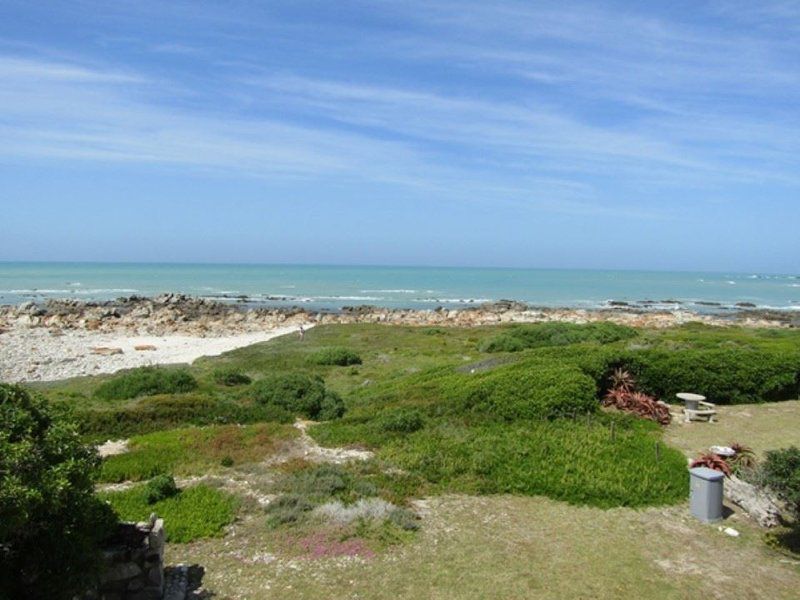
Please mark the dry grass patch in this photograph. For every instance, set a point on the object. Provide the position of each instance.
(761, 426)
(511, 547)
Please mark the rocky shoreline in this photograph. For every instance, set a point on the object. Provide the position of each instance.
(59, 339)
(180, 314)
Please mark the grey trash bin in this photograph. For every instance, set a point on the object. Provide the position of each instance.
(705, 494)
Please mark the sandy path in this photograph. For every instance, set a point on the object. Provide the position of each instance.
(34, 354)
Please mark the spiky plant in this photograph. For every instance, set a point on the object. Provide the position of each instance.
(621, 379)
(743, 457)
(712, 461)
(639, 404)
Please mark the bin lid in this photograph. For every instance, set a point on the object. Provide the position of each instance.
(706, 473)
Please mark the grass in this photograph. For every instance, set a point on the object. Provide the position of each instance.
(194, 513)
(604, 460)
(522, 337)
(500, 546)
(194, 450)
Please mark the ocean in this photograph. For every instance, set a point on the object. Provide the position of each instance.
(333, 287)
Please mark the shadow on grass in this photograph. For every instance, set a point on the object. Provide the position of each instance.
(786, 540)
(190, 577)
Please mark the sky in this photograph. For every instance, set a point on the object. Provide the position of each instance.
(624, 135)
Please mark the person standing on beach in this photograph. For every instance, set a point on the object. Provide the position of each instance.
(302, 333)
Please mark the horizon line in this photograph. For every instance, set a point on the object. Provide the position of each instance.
(380, 266)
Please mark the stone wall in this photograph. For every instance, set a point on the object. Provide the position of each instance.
(134, 563)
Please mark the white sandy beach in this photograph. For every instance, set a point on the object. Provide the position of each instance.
(35, 354)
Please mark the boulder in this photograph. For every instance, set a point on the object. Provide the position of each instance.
(105, 351)
(754, 501)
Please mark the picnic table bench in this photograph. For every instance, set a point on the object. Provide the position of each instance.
(696, 408)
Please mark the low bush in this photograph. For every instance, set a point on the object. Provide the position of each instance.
(781, 472)
(331, 407)
(531, 390)
(194, 513)
(160, 488)
(51, 523)
(288, 508)
(298, 394)
(346, 496)
(403, 420)
(521, 337)
(723, 376)
(318, 482)
(146, 381)
(230, 377)
(340, 357)
(404, 519)
(156, 413)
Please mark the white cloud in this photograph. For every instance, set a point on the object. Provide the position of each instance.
(542, 106)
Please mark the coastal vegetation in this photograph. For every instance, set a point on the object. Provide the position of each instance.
(443, 411)
(194, 450)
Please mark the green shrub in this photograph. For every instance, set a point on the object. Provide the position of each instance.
(298, 394)
(404, 519)
(724, 376)
(230, 377)
(534, 390)
(288, 508)
(521, 337)
(340, 357)
(320, 481)
(331, 407)
(403, 420)
(146, 381)
(156, 413)
(51, 523)
(160, 488)
(781, 472)
(196, 512)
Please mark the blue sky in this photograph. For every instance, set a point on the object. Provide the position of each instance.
(600, 134)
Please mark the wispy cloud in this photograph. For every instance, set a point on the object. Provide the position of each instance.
(530, 104)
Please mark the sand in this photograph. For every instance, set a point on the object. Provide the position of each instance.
(35, 354)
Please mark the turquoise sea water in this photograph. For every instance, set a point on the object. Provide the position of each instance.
(411, 287)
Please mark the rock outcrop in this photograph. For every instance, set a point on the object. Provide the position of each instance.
(177, 313)
(754, 501)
